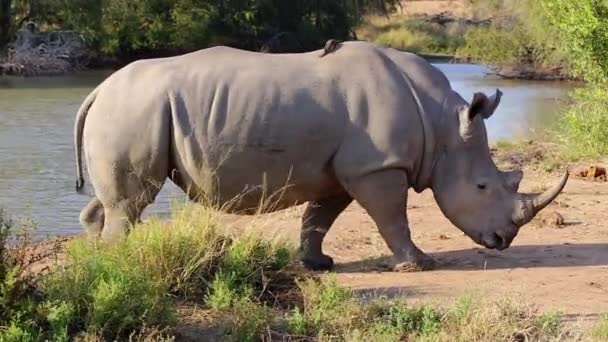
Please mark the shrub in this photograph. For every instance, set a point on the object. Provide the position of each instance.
(413, 35)
(584, 125)
(101, 292)
(584, 26)
(19, 288)
(246, 270)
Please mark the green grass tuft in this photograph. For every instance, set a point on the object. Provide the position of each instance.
(600, 331)
(103, 291)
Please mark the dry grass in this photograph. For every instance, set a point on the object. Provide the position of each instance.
(412, 34)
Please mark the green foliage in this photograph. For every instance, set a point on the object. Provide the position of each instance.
(417, 36)
(99, 291)
(19, 320)
(584, 125)
(494, 45)
(329, 309)
(549, 323)
(584, 26)
(245, 271)
(249, 320)
(583, 30)
(129, 28)
(181, 254)
(600, 331)
(522, 36)
(398, 318)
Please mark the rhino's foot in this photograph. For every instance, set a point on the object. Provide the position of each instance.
(421, 263)
(318, 263)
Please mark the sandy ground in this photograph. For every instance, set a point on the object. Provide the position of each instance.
(551, 267)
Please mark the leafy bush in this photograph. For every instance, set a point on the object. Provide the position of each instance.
(102, 292)
(519, 34)
(19, 292)
(246, 271)
(584, 125)
(584, 26)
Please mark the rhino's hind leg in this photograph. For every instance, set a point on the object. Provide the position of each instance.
(316, 221)
(123, 214)
(383, 195)
(92, 218)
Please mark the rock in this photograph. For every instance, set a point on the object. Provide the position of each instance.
(592, 173)
(552, 219)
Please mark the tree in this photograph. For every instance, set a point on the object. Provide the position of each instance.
(5, 21)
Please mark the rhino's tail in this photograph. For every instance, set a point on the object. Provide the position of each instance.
(78, 132)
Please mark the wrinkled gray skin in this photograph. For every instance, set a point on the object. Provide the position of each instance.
(363, 123)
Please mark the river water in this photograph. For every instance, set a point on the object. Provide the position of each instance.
(37, 170)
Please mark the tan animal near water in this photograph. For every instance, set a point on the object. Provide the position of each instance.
(364, 123)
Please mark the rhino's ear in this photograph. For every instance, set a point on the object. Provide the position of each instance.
(484, 106)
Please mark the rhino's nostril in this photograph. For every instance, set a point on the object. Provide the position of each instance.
(500, 241)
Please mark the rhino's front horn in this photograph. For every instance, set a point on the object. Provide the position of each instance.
(530, 205)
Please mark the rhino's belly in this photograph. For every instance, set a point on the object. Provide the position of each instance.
(248, 181)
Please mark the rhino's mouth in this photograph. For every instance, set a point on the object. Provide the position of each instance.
(497, 240)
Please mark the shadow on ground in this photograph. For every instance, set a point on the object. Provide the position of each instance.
(524, 256)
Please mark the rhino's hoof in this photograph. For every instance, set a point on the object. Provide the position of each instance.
(320, 263)
(424, 264)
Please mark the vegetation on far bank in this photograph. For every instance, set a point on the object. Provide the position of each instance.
(246, 288)
(583, 34)
(127, 30)
(510, 35)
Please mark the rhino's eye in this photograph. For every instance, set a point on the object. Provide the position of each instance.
(481, 186)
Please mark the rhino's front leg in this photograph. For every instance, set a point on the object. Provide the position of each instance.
(316, 221)
(384, 195)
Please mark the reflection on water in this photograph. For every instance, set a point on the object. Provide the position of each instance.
(37, 170)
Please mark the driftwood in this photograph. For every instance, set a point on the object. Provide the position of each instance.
(44, 53)
(444, 18)
(529, 72)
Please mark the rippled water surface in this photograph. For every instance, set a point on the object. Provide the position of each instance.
(37, 171)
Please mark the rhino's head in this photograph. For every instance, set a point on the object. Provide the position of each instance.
(473, 194)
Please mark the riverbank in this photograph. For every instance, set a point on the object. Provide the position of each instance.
(474, 294)
(505, 36)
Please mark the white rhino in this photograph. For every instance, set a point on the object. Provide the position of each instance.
(363, 122)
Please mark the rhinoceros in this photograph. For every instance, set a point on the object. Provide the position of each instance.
(363, 123)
